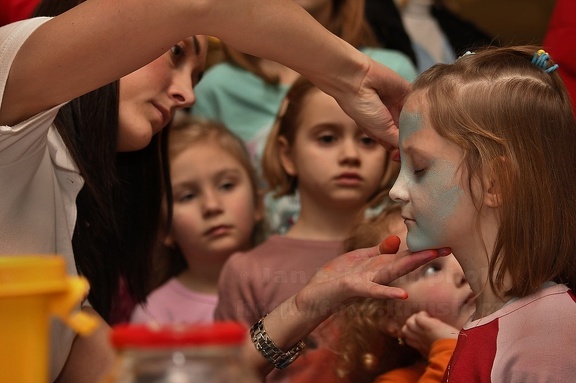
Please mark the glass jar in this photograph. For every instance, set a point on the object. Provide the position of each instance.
(180, 354)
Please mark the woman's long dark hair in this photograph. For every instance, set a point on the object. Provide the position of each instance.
(119, 206)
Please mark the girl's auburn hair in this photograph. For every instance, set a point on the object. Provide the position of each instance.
(516, 126)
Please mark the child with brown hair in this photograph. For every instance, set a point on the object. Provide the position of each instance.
(317, 150)
(245, 92)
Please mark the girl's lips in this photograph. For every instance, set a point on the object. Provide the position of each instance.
(218, 230)
(408, 221)
(348, 179)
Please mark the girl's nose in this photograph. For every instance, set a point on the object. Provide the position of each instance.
(398, 192)
(349, 152)
(211, 204)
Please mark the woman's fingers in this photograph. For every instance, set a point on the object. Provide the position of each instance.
(389, 245)
(403, 263)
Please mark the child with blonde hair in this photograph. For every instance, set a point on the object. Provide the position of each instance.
(339, 171)
(217, 211)
(488, 169)
(409, 340)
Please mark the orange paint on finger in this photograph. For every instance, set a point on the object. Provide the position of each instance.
(389, 245)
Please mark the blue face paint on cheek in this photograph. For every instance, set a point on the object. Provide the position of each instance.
(434, 197)
(434, 205)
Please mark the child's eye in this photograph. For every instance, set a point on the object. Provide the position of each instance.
(431, 270)
(227, 186)
(419, 172)
(367, 141)
(326, 138)
(184, 197)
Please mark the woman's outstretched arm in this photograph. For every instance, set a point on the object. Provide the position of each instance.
(100, 41)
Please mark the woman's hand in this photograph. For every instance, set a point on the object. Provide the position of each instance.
(360, 273)
(376, 103)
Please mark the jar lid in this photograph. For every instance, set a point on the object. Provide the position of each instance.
(177, 335)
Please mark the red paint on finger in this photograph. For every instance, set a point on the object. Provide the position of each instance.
(389, 245)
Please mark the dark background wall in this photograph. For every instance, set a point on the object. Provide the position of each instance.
(512, 21)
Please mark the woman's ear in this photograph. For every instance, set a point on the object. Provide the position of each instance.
(169, 242)
(286, 156)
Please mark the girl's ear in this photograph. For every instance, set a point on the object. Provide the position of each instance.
(492, 196)
(286, 156)
(492, 186)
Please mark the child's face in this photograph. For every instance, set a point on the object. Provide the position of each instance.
(436, 204)
(337, 165)
(214, 208)
(439, 288)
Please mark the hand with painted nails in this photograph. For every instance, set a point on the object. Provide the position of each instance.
(362, 273)
(356, 274)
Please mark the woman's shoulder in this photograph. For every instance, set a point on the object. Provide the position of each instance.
(12, 37)
(24, 27)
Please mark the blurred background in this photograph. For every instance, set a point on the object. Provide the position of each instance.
(511, 21)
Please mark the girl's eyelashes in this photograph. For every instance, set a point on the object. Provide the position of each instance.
(227, 186)
(419, 172)
(367, 141)
(184, 197)
(326, 138)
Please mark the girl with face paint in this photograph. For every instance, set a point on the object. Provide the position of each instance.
(80, 149)
(487, 169)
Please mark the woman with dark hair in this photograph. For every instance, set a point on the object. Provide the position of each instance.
(80, 178)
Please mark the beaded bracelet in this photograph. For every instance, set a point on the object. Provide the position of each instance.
(268, 349)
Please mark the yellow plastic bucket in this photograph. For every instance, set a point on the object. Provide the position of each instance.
(33, 288)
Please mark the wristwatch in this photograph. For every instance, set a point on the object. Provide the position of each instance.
(268, 348)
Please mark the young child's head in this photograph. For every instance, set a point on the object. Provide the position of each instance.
(371, 328)
(488, 168)
(317, 150)
(217, 206)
